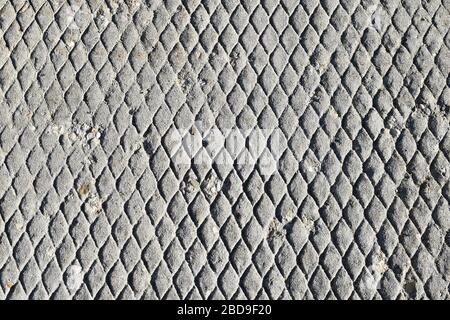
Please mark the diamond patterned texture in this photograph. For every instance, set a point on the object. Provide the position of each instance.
(92, 205)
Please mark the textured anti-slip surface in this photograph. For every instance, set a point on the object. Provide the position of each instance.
(351, 98)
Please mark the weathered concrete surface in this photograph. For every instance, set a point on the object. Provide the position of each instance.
(94, 204)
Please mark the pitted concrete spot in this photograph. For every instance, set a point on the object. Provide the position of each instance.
(275, 230)
(212, 185)
(93, 205)
(190, 184)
